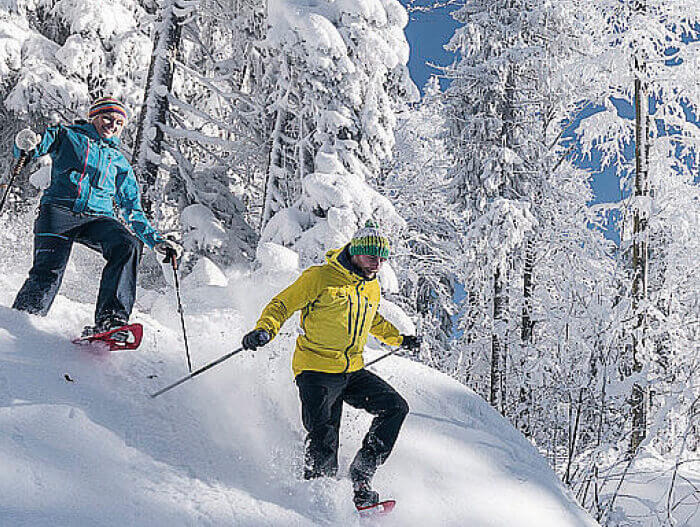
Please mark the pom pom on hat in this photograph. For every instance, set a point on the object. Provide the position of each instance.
(370, 241)
(105, 105)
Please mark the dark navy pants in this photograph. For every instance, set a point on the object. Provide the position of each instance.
(55, 230)
(322, 396)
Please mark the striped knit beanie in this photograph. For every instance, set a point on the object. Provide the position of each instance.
(105, 105)
(370, 241)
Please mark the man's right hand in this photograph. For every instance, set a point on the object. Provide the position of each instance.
(27, 139)
(256, 339)
(411, 342)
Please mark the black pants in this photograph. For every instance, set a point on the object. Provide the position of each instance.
(55, 230)
(322, 396)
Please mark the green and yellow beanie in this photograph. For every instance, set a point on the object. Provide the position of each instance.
(369, 240)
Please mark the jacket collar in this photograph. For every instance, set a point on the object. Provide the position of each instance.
(339, 259)
(89, 130)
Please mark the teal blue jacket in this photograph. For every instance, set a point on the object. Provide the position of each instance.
(90, 175)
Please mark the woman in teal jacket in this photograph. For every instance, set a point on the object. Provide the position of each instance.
(89, 175)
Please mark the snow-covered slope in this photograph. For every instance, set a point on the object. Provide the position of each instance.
(82, 443)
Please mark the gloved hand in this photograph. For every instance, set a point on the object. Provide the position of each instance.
(411, 342)
(168, 247)
(27, 139)
(256, 339)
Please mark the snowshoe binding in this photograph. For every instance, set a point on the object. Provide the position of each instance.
(115, 332)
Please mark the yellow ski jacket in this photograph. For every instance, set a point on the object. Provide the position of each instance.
(339, 309)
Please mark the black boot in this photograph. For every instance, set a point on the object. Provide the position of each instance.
(364, 495)
(107, 324)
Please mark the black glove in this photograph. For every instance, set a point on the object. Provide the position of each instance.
(255, 339)
(169, 248)
(411, 342)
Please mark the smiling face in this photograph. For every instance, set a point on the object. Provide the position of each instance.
(368, 264)
(109, 124)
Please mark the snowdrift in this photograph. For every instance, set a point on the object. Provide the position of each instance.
(82, 443)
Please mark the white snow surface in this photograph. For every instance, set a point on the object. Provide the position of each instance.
(82, 443)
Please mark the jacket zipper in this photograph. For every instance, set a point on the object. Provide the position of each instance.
(91, 183)
(103, 175)
(357, 322)
(82, 176)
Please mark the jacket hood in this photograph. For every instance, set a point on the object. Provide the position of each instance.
(89, 130)
(334, 259)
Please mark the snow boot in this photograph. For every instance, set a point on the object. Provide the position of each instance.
(108, 324)
(364, 495)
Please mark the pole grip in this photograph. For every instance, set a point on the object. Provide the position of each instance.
(171, 256)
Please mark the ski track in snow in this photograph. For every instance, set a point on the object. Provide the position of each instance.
(225, 448)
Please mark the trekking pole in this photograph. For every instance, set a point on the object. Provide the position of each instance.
(382, 357)
(390, 353)
(200, 370)
(15, 172)
(171, 255)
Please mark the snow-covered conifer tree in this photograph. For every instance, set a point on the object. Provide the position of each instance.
(646, 61)
(429, 254)
(196, 143)
(534, 273)
(491, 141)
(338, 72)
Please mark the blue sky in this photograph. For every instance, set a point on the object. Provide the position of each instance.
(427, 33)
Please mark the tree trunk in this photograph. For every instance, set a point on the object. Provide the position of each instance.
(527, 323)
(155, 108)
(499, 348)
(278, 173)
(526, 329)
(638, 399)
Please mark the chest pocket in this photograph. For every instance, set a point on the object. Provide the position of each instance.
(334, 304)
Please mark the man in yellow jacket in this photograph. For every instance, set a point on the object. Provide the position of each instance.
(339, 304)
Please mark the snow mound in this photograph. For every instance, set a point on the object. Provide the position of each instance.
(82, 443)
(205, 273)
(276, 258)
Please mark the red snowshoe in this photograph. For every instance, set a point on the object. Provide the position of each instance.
(378, 509)
(367, 500)
(121, 338)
